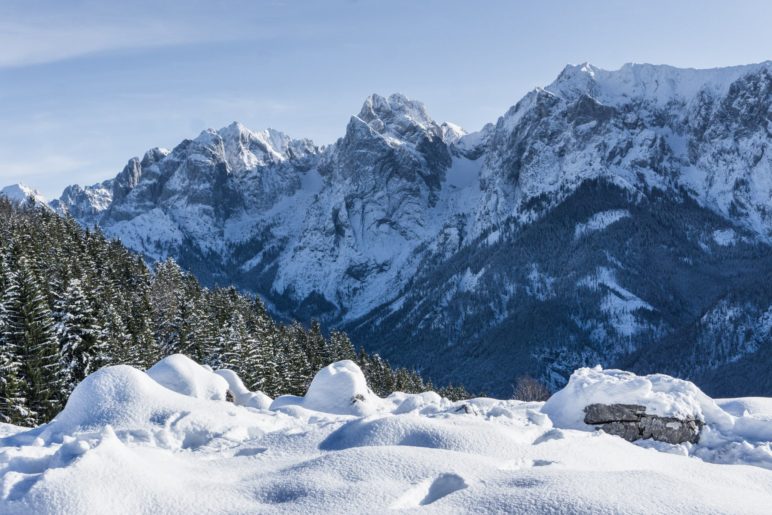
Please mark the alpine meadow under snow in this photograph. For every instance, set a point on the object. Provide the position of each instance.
(167, 441)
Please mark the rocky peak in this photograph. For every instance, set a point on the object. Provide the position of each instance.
(85, 204)
(574, 80)
(397, 119)
(128, 178)
(153, 156)
(392, 138)
(451, 133)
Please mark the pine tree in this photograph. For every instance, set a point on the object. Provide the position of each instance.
(117, 340)
(267, 369)
(12, 403)
(83, 348)
(172, 309)
(341, 347)
(30, 330)
(319, 351)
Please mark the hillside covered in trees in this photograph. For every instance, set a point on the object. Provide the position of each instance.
(71, 302)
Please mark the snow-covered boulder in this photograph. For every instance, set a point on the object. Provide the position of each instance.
(242, 396)
(183, 375)
(339, 388)
(658, 394)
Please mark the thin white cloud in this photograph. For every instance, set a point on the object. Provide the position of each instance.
(44, 31)
(25, 43)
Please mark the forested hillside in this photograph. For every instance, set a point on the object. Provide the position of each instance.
(71, 301)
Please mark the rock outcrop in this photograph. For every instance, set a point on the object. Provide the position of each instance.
(631, 422)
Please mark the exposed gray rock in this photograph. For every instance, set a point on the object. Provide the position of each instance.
(603, 413)
(631, 422)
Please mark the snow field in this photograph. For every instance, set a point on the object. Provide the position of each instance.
(126, 443)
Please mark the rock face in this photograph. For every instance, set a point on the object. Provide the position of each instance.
(631, 422)
(85, 204)
(613, 217)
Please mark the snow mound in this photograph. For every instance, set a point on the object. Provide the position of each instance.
(242, 396)
(183, 375)
(661, 395)
(424, 403)
(340, 389)
(119, 396)
(141, 410)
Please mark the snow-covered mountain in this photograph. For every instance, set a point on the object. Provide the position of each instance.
(620, 217)
(20, 193)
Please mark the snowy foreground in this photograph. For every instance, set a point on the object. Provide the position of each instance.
(167, 441)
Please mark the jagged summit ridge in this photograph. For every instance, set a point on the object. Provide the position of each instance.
(408, 230)
(397, 109)
(657, 83)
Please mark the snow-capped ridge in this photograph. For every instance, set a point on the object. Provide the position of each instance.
(21, 193)
(658, 83)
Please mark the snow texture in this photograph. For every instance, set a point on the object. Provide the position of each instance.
(183, 375)
(339, 388)
(127, 444)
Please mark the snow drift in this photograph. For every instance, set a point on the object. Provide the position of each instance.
(167, 441)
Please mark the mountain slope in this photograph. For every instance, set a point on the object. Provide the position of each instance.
(619, 217)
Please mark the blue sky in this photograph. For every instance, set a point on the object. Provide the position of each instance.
(85, 85)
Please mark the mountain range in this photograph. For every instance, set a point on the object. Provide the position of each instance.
(615, 217)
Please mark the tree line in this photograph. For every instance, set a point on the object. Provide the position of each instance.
(72, 301)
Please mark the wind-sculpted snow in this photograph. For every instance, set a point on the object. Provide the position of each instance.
(127, 444)
(241, 394)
